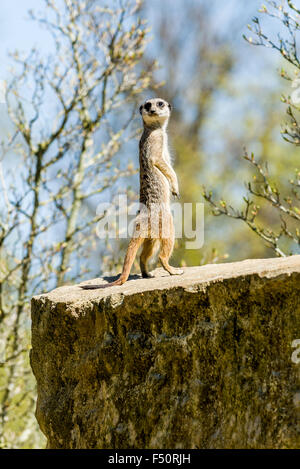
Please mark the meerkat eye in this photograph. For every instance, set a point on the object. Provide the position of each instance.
(161, 104)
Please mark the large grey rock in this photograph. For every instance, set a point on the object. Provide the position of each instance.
(201, 360)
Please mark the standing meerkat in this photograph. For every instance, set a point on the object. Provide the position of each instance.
(154, 222)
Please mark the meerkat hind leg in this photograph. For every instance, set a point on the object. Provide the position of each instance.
(167, 245)
(147, 252)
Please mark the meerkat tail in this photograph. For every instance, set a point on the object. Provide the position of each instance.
(105, 285)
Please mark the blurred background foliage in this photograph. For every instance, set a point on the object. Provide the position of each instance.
(70, 127)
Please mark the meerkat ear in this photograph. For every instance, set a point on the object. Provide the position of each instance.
(170, 107)
(141, 108)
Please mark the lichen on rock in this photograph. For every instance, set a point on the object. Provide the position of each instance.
(197, 361)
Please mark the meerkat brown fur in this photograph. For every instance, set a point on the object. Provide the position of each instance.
(154, 221)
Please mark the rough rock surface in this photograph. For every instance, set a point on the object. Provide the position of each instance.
(201, 360)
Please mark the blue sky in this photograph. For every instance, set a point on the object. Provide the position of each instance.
(17, 32)
(256, 66)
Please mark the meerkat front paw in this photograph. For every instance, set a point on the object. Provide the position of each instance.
(176, 193)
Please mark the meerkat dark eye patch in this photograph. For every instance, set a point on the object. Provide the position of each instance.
(160, 103)
(147, 106)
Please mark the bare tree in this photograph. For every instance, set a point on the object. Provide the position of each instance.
(264, 195)
(72, 113)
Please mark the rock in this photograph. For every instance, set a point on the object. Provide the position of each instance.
(201, 360)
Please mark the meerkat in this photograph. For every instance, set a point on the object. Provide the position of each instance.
(154, 222)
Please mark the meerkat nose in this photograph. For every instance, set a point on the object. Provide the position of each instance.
(152, 111)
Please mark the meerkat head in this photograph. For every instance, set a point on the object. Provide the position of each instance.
(155, 112)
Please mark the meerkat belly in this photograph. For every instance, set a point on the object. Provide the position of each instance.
(154, 187)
